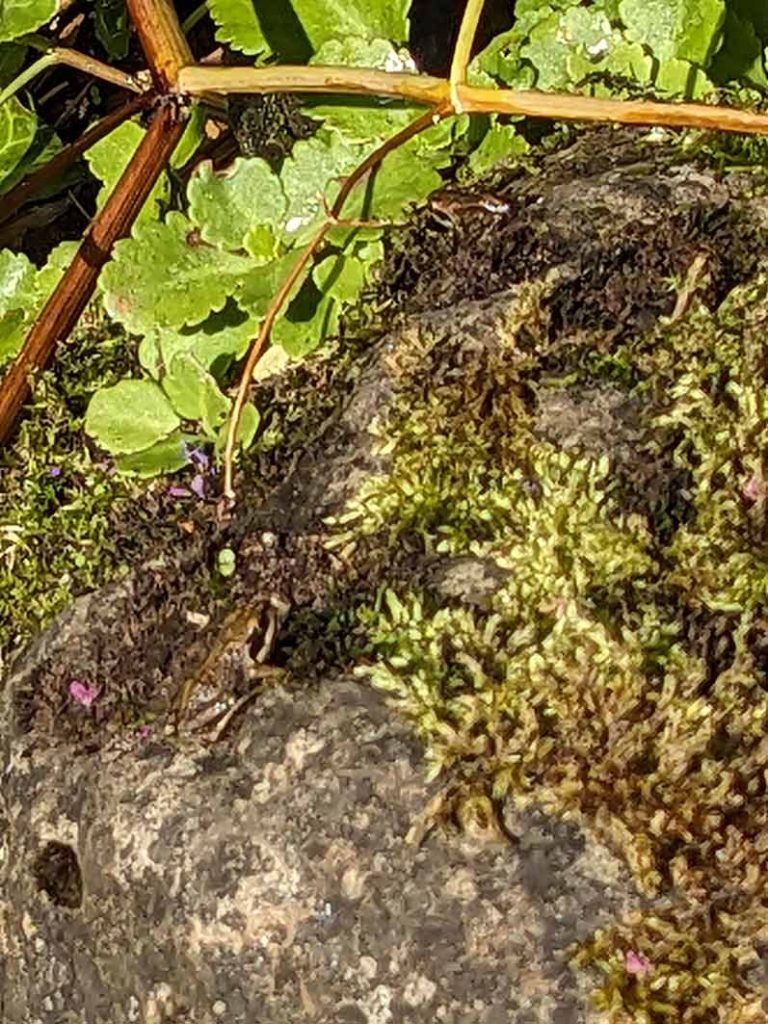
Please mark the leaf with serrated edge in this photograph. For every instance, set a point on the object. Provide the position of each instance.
(165, 276)
(237, 24)
(227, 206)
(109, 157)
(18, 127)
(129, 417)
(18, 17)
(370, 19)
(685, 29)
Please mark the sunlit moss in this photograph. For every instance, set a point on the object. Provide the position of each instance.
(590, 684)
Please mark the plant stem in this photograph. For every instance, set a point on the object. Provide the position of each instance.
(431, 91)
(73, 59)
(62, 310)
(29, 187)
(192, 19)
(463, 49)
(165, 45)
(298, 78)
(332, 218)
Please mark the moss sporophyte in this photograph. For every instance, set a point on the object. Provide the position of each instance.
(617, 674)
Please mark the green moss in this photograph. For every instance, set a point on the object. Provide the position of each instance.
(591, 685)
(59, 503)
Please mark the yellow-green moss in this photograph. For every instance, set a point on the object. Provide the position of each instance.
(588, 686)
(57, 503)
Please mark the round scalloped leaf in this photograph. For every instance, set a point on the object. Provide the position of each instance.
(130, 417)
(305, 176)
(18, 17)
(109, 157)
(165, 276)
(193, 392)
(166, 456)
(18, 127)
(686, 29)
(370, 119)
(227, 207)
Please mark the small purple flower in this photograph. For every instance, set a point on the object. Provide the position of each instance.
(198, 485)
(145, 732)
(54, 471)
(198, 456)
(637, 964)
(83, 693)
(178, 492)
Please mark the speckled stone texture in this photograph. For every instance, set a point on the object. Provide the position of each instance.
(272, 882)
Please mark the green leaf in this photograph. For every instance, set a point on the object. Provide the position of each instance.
(112, 27)
(402, 179)
(130, 417)
(238, 25)
(166, 456)
(11, 60)
(740, 58)
(685, 29)
(23, 292)
(18, 127)
(246, 430)
(226, 562)
(222, 338)
(554, 39)
(501, 143)
(108, 159)
(305, 178)
(165, 276)
(341, 276)
(194, 393)
(229, 206)
(294, 31)
(18, 17)
(363, 119)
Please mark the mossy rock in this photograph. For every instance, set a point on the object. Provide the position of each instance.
(533, 517)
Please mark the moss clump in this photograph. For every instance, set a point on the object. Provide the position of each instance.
(591, 684)
(58, 503)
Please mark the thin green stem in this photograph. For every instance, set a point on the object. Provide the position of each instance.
(192, 19)
(72, 59)
(463, 49)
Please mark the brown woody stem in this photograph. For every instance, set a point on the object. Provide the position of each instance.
(63, 309)
(29, 187)
(331, 220)
(165, 45)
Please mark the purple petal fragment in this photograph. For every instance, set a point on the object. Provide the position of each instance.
(54, 471)
(198, 485)
(83, 693)
(637, 964)
(178, 492)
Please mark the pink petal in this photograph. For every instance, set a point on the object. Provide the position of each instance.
(753, 488)
(83, 693)
(637, 964)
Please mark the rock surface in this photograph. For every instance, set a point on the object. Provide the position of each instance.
(268, 878)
